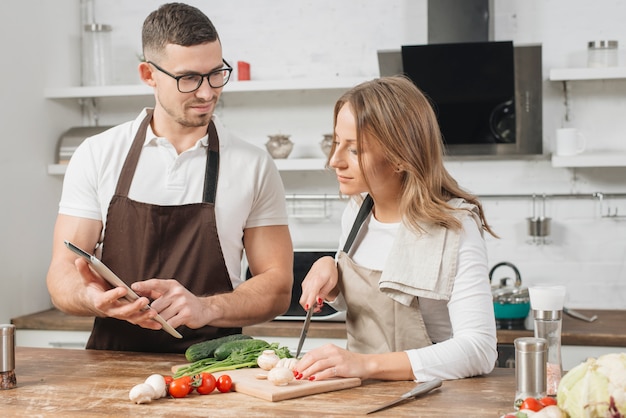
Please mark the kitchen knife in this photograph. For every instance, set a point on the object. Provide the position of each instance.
(418, 390)
(115, 281)
(305, 329)
(578, 315)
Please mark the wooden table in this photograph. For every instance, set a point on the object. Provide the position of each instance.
(608, 330)
(88, 383)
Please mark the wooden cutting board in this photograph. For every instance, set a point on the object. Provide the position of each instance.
(245, 381)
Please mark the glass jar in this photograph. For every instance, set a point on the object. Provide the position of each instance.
(96, 55)
(602, 54)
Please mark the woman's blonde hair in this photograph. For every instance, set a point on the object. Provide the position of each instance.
(393, 112)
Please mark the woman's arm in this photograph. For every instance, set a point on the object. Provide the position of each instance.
(471, 350)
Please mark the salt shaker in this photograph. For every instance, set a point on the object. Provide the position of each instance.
(7, 357)
(547, 307)
(530, 368)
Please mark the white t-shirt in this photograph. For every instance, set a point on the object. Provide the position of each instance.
(249, 193)
(463, 328)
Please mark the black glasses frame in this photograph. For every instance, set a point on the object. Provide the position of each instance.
(228, 68)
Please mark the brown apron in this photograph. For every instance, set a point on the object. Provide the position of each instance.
(144, 241)
(375, 323)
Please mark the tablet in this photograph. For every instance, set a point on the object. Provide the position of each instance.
(115, 281)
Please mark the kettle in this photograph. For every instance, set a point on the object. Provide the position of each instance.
(510, 301)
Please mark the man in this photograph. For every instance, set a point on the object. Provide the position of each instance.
(169, 202)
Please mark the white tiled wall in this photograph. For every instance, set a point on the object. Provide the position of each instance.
(585, 251)
(291, 38)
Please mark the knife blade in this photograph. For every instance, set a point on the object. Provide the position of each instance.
(417, 390)
(305, 329)
(115, 281)
(578, 315)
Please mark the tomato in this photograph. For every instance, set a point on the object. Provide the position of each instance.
(168, 380)
(224, 383)
(532, 404)
(547, 401)
(181, 387)
(206, 384)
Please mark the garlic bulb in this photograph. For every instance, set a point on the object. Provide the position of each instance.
(280, 376)
(142, 393)
(267, 360)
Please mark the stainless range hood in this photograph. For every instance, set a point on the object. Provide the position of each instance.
(451, 21)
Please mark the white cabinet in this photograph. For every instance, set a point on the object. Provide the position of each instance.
(573, 355)
(51, 338)
(588, 159)
(268, 87)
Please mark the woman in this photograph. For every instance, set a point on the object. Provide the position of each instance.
(412, 275)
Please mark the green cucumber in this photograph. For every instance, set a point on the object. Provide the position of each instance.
(244, 346)
(206, 349)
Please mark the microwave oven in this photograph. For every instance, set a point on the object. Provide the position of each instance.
(487, 95)
(303, 259)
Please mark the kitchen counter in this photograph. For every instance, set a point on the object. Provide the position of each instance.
(607, 330)
(88, 383)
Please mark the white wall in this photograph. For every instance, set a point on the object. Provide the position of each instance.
(282, 39)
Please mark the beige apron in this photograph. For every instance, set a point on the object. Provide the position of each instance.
(375, 323)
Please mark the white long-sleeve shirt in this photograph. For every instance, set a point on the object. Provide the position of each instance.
(462, 329)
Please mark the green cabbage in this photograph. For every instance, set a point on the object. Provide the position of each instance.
(595, 388)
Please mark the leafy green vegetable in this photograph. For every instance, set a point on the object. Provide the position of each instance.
(595, 388)
(239, 359)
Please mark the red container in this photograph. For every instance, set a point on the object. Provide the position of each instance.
(243, 71)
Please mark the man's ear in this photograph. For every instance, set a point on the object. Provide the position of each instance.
(145, 74)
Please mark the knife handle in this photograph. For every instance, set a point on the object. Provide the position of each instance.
(423, 388)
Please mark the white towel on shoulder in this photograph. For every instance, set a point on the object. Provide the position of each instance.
(424, 265)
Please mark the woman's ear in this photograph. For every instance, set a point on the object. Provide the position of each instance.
(145, 74)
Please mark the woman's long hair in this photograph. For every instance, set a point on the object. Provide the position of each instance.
(395, 113)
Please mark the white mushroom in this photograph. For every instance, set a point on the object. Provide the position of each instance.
(280, 376)
(158, 384)
(142, 393)
(289, 363)
(267, 360)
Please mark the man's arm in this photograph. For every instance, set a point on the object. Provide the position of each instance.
(259, 299)
(75, 288)
(269, 251)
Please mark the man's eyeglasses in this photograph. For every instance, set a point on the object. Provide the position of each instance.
(188, 83)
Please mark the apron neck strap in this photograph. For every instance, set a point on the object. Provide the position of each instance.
(212, 163)
(364, 211)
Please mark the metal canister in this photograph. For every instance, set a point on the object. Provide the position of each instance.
(531, 355)
(7, 356)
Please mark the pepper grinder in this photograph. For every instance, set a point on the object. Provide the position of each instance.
(530, 368)
(7, 357)
(546, 303)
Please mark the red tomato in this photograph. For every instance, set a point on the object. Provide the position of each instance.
(547, 401)
(168, 380)
(181, 387)
(207, 384)
(224, 383)
(532, 404)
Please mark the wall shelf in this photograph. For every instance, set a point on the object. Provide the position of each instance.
(571, 74)
(232, 87)
(591, 159)
(287, 164)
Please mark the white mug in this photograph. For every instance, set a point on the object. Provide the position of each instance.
(569, 141)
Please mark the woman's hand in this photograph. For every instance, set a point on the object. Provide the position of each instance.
(320, 283)
(330, 361)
